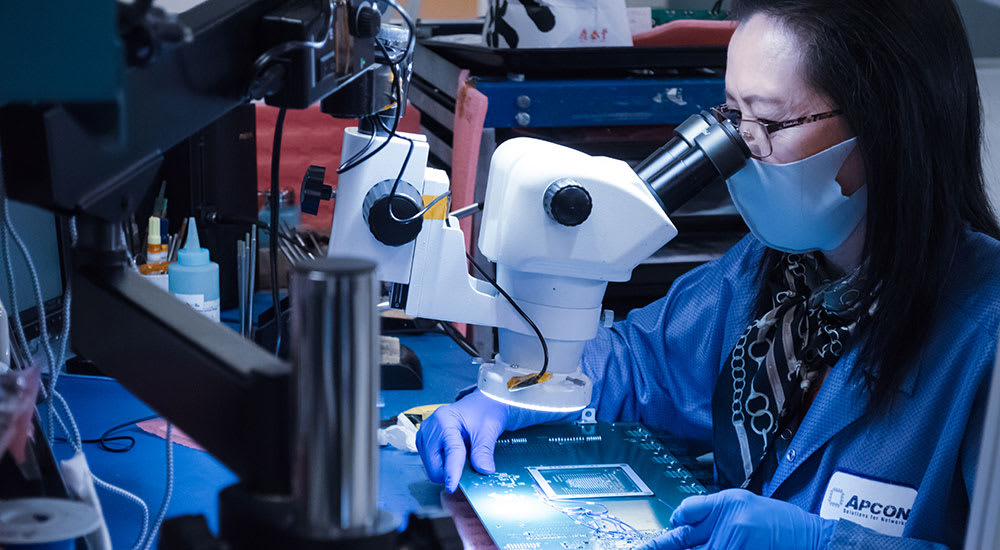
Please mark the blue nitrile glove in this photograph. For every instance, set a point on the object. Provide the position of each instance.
(736, 519)
(475, 421)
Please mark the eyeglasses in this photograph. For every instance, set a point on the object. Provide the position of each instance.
(757, 133)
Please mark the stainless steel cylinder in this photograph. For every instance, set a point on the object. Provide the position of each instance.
(335, 384)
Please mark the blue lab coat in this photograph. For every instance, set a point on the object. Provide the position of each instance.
(659, 366)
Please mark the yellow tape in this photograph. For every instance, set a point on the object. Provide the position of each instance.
(439, 211)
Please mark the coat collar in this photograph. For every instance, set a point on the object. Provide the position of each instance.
(841, 400)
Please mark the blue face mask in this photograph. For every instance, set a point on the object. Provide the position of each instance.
(799, 206)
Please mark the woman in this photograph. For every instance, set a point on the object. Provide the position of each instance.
(838, 357)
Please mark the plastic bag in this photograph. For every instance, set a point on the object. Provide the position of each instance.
(556, 24)
(402, 436)
(18, 390)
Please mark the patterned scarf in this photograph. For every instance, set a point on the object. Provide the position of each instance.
(765, 379)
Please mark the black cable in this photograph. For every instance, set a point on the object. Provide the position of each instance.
(533, 379)
(106, 437)
(103, 442)
(459, 339)
(273, 241)
(411, 26)
(383, 145)
(399, 176)
(395, 185)
(398, 87)
(363, 150)
(409, 152)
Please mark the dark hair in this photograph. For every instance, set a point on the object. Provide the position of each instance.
(903, 74)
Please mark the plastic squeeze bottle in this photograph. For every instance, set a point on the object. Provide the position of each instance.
(194, 278)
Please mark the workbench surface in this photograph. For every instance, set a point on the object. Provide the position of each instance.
(100, 403)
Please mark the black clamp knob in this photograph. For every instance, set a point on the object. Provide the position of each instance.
(567, 202)
(313, 190)
(368, 22)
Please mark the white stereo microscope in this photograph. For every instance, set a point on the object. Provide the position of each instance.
(558, 223)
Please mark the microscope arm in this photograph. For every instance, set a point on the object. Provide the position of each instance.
(228, 394)
(441, 287)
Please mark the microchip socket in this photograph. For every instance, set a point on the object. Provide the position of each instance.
(589, 481)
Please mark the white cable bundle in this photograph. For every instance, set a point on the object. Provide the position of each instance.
(7, 231)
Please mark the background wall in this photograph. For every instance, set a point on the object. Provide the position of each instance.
(982, 20)
(989, 83)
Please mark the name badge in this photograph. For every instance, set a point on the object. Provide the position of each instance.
(879, 506)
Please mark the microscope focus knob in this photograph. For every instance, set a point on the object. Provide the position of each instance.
(313, 191)
(400, 224)
(567, 202)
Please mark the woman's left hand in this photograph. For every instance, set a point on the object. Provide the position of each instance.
(736, 519)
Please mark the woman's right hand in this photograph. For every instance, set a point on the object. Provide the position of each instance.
(475, 421)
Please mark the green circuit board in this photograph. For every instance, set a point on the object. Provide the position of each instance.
(579, 487)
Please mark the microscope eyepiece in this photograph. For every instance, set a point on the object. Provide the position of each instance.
(702, 151)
